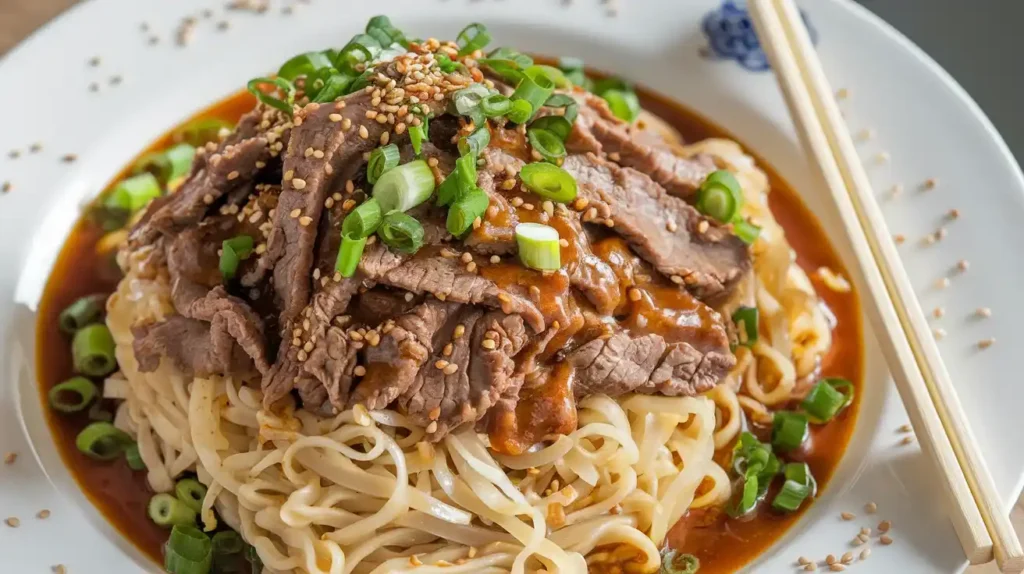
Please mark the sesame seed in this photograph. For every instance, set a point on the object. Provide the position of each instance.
(938, 312)
(471, 266)
(983, 312)
(903, 428)
(298, 183)
(415, 561)
(467, 257)
(10, 457)
(931, 183)
(904, 442)
(289, 174)
(810, 567)
(677, 280)
(986, 343)
(866, 134)
(870, 507)
(702, 227)
(489, 344)
(359, 371)
(495, 259)
(35, 148)
(6, 187)
(803, 561)
(43, 514)
(563, 242)
(865, 553)
(233, 175)
(963, 265)
(305, 220)
(837, 567)
(13, 522)
(847, 558)
(69, 158)
(460, 330)
(432, 428)
(635, 294)
(830, 559)
(451, 369)
(334, 117)
(953, 214)
(848, 516)
(884, 525)
(899, 239)
(59, 569)
(363, 132)
(295, 213)
(385, 138)
(885, 539)
(942, 283)
(939, 332)
(302, 356)
(842, 94)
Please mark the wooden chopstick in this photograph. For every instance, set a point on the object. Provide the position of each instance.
(898, 321)
(1006, 545)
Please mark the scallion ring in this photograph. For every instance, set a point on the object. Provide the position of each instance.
(549, 181)
(232, 252)
(287, 89)
(72, 395)
(404, 187)
(179, 159)
(349, 254)
(133, 457)
(746, 320)
(463, 212)
(547, 144)
(401, 232)
(472, 38)
(827, 398)
(746, 231)
(538, 246)
(418, 135)
(459, 182)
(191, 493)
(789, 430)
(624, 104)
(381, 160)
(82, 312)
(799, 486)
(331, 85)
(202, 131)
(364, 220)
(92, 351)
(134, 193)
(227, 543)
(102, 441)
(557, 125)
(495, 105)
(188, 551)
(717, 202)
(675, 562)
(568, 103)
(520, 112)
(535, 87)
(303, 65)
(475, 142)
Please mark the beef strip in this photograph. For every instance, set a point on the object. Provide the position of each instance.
(192, 345)
(598, 131)
(663, 229)
(446, 278)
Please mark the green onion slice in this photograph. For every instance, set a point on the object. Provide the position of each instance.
(364, 220)
(549, 181)
(827, 398)
(799, 486)
(507, 63)
(746, 320)
(538, 246)
(227, 543)
(72, 395)
(133, 457)
(328, 85)
(401, 232)
(674, 562)
(359, 51)
(92, 351)
(717, 203)
(557, 125)
(472, 38)
(459, 182)
(166, 510)
(556, 76)
(404, 187)
(82, 312)
(521, 112)
(547, 144)
(200, 132)
(188, 551)
(746, 231)
(535, 87)
(475, 142)
(232, 252)
(463, 212)
(102, 441)
(789, 430)
(180, 159)
(573, 69)
(304, 65)
(568, 103)
(349, 254)
(286, 88)
(467, 101)
(191, 493)
(381, 160)
(495, 105)
(381, 25)
(418, 135)
(134, 193)
(445, 63)
(624, 104)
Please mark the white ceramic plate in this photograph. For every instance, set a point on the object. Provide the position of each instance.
(923, 120)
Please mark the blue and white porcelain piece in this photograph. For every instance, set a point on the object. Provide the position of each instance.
(730, 33)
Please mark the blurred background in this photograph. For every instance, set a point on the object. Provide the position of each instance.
(976, 41)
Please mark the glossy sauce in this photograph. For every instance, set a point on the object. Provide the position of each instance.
(723, 545)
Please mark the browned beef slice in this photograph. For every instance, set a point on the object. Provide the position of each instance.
(445, 278)
(661, 228)
(453, 397)
(625, 363)
(193, 346)
(588, 273)
(497, 234)
(598, 130)
(392, 365)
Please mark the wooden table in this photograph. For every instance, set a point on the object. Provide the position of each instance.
(18, 18)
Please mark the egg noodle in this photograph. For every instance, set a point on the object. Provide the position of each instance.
(364, 492)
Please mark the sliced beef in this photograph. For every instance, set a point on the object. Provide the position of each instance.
(597, 130)
(625, 363)
(446, 278)
(663, 229)
(193, 346)
(588, 273)
(404, 347)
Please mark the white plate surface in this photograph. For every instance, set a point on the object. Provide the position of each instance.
(922, 119)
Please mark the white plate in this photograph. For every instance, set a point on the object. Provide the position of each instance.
(923, 120)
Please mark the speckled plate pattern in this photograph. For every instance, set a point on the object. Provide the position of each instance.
(915, 124)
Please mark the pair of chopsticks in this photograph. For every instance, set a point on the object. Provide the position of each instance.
(924, 384)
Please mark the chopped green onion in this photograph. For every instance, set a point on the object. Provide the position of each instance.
(166, 510)
(566, 102)
(363, 221)
(556, 76)
(383, 24)
(404, 187)
(507, 63)
(799, 485)
(748, 497)
(674, 562)
(280, 84)
(746, 319)
(401, 231)
(102, 441)
(381, 160)
(180, 158)
(188, 551)
(99, 414)
(574, 71)
(746, 231)
(538, 246)
(549, 181)
(472, 38)
(463, 212)
(418, 135)
(495, 105)
(199, 132)
(825, 399)
(134, 193)
(445, 63)
(757, 465)
(624, 104)
(535, 87)
(191, 493)
(349, 254)
(254, 560)
(232, 252)
(328, 85)
(72, 395)
(227, 543)
(557, 125)
(467, 102)
(133, 457)
(459, 182)
(475, 142)
(361, 81)
(717, 203)
(82, 312)
(547, 144)
(521, 112)
(789, 430)
(303, 65)
(359, 50)
(92, 351)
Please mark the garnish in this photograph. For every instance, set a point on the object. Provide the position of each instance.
(538, 246)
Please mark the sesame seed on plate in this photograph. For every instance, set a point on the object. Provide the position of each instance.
(885, 539)
(953, 214)
(884, 526)
(830, 559)
(986, 343)
(930, 183)
(871, 508)
(904, 429)
(939, 332)
(59, 569)
(904, 442)
(963, 265)
(938, 312)
(35, 148)
(10, 457)
(983, 312)
(842, 94)
(882, 157)
(848, 515)
(865, 553)
(847, 558)
(865, 134)
(12, 521)
(837, 567)
(6, 187)
(942, 283)
(899, 238)
(43, 514)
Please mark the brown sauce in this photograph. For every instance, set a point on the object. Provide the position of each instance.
(722, 545)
